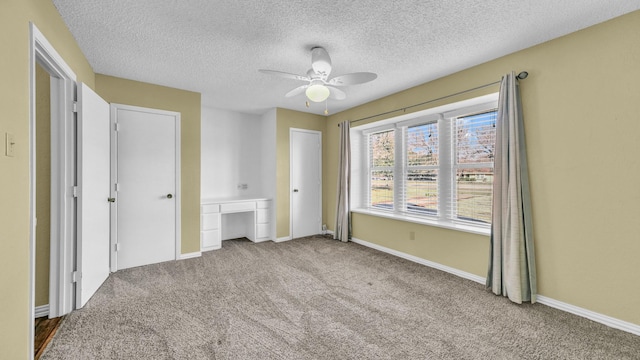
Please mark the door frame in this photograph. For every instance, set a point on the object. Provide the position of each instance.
(62, 249)
(315, 132)
(114, 175)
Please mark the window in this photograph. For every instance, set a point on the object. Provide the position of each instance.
(435, 165)
(475, 146)
(382, 159)
(421, 179)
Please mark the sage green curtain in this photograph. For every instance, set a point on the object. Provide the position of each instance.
(343, 191)
(512, 269)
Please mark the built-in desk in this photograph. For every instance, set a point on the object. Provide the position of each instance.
(257, 219)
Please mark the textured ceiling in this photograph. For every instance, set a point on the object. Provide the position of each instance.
(216, 47)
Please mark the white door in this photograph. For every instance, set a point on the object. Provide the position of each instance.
(146, 182)
(92, 267)
(306, 182)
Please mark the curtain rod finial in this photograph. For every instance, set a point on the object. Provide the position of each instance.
(523, 75)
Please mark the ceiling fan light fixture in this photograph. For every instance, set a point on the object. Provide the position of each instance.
(317, 92)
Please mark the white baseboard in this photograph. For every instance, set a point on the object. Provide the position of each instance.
(190, 255)
(460, 273)
(591, 315)
(282, 239)
(41, 311)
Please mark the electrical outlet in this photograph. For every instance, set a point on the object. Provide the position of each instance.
(10, 144)
(412, 235)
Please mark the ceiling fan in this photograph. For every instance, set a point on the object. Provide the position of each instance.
(320, 86)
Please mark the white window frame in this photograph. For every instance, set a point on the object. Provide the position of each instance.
(445, 117)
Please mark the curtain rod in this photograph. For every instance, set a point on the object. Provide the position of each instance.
(521, 76)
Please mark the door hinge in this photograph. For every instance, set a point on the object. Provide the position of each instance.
(116, 187)
(117, 246)
(74, 277)
(74, 106)
(117, 127)
(74, 191)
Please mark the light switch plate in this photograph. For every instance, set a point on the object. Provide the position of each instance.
(9, 144)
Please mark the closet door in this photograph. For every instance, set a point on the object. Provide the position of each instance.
(147, 174)
(306, 182)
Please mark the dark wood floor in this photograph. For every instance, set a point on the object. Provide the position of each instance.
(45, 329)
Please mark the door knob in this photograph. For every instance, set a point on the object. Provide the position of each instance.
(111, 200)
(169, 196)
(295, 190)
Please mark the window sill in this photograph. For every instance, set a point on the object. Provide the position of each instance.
(423, 221)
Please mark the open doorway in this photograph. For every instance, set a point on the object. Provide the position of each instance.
(43, 191)
(45, 327)
(52, 177)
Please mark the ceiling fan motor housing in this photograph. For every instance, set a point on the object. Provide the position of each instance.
(321, 62)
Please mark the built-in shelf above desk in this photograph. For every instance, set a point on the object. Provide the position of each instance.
(257, 219)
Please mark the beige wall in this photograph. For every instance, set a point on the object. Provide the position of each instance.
(43, 184)
(285, 120)
(582, 120)
(187, 103)
(15, 16)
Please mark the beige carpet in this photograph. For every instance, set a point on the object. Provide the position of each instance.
(316, 298)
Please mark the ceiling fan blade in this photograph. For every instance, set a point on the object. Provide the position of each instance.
(285, 75)
(297, 91)
(320, 62)
(352, 79)
(336, 93)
